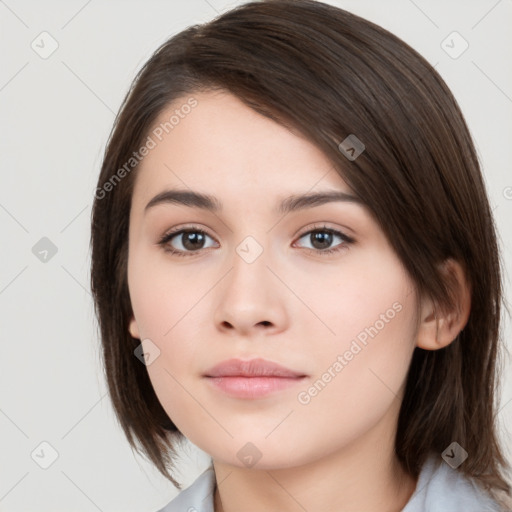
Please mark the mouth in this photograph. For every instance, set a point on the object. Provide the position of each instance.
(252, 379)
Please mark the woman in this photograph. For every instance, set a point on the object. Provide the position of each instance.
(295, 267)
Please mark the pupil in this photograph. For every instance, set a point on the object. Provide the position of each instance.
(323, 237)
(193, 240)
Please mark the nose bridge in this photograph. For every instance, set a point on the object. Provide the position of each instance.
(250, 249)
(250, 295)
(249, 267)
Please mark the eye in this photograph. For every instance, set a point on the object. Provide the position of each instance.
(182, 242)
(322, 238)
(190, 240)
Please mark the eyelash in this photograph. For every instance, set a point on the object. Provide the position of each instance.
(165, 239)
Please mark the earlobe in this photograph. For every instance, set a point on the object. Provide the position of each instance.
(437, 327)
(134, 330)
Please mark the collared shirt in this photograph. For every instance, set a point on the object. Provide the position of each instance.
(439, 489)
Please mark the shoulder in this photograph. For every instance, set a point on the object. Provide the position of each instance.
(198, 497)
(441, 488)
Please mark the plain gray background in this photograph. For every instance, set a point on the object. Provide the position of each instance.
(56, 113)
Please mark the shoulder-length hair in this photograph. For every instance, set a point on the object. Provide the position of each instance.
(328, 74)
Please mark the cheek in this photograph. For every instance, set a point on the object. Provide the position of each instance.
(374, 332)
(359, 379)
(366, 296)
(161, 294)
(165, 306)
(372, 360)
(362, 368)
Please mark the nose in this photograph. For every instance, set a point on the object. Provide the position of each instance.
(250, 300)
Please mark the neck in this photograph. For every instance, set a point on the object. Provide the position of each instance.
(363, 476)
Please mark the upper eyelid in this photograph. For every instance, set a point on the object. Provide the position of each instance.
(319, 227)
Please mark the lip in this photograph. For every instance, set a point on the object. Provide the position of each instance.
(252, 368)
(252, 379)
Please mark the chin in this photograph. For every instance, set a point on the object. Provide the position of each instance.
(261, 454)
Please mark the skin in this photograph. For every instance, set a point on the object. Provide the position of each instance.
(292, 305)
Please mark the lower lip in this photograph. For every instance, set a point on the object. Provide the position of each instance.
(253, 387)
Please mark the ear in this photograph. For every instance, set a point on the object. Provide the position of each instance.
(438, 328)
(133, 328)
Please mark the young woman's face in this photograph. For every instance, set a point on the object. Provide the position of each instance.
(260, 283)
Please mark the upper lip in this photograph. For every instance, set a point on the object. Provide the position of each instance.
(251, 368)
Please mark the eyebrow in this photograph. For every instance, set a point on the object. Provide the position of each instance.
(287, 205)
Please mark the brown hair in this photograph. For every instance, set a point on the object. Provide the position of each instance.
(328, 74)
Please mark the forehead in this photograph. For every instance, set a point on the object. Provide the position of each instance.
(224, 147)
